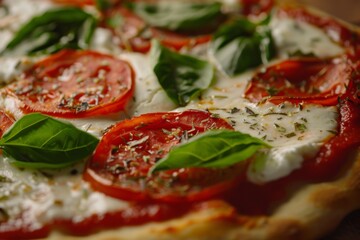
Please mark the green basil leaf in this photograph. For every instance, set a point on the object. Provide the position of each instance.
(115, 21)
(212, 149)
(103, 5)
(39, 141)
(52, 31)
(182, 77)
(242, 45)
(178, 15)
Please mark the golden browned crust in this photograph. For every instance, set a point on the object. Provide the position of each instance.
(310, 211)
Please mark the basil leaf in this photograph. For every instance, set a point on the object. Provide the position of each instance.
(212, 149)
(242, 45)
(52, 31)
(39, 141)
(181, 76)
(177, 15)
(115, 21)
(103, 5)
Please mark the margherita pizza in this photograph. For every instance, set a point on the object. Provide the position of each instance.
(177, 119)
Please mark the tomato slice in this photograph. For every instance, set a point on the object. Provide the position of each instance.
(301, 81)
(76, 84)
(333, 153)
(5, 122)
(256, 7)
(75, 2)
(121, 162)
(136, 35)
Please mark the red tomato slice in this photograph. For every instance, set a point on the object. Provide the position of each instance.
(5, 122)
(301, 81)
(76, 84)
(120, 164)
(75, 2)
(135, 35)
(256, 7)
(346, 142)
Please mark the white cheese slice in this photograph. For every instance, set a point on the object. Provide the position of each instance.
(13, 66)
(45, 195)
(291, 36)
(294, 132)
(149, 95)
(281, 161)
(23, 10)
(103, 42)
(18, 12)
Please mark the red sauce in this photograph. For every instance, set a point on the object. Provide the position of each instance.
(135, 215)
(22, 227)
(255, 200)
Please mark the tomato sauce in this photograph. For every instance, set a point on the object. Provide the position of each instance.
(136, 214)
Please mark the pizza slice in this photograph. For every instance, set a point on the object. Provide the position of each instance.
(181, 120)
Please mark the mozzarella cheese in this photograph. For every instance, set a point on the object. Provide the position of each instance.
(292, 36)
(45, 195)
(294, 133)
(149, 95)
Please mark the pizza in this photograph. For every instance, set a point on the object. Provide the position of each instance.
(234, 119)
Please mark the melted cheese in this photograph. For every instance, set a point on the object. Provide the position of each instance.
(149, 95)
(18, 13)
(294, 133)
(291, 36)
(45, 195)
